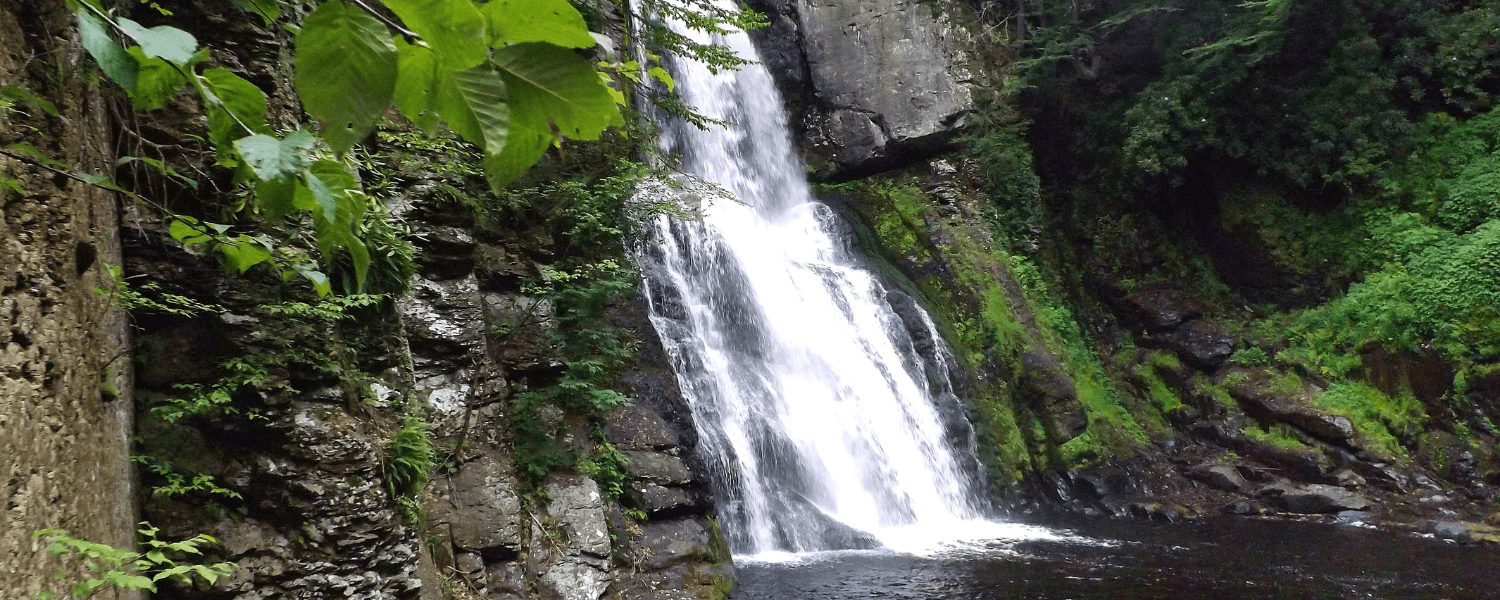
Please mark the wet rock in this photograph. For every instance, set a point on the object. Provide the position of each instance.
(481, 507)
(447, 252)
(1223, 477)
(680, 582)
(658, 468)
(638, 427)
(1383, 476)
(661, 500)
(1451, 530)
(1201, 343)
(1156, 309)
(901, 83)
(1354, 517)
(663, 544)
(1313, 498)
(1240, 508)
(1157, 511)
(1046, 385)
(440, 316)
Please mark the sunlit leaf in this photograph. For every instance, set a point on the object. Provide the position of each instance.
(416, 80)
(112, 59)
(453, 29)
(345, 71)
(473, 103)
(560, 85)
(164, 42)
(551, 21)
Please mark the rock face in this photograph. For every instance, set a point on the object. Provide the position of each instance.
(883, 83)
(65, 403)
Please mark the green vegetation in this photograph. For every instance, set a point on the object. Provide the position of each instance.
(413, 458)
(104, 567)
(1387, 424)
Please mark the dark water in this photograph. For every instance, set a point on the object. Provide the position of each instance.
(1218, 559)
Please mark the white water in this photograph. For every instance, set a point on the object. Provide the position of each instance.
(817, 402)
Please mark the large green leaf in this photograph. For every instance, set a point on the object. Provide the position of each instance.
(112, 59)
(416, 81)
(559, 85)
(276, 159)
(522, 149)
(473, 102)
(551, 21)
(325, 190)
(236, 108)
(346, 71)
(530, 135)
(453, 29)
(156, 81)
(164, 42)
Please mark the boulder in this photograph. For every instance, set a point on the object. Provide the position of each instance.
(481, 507)
(1223, 477)
(664, 544)
(658, 468)
(638, 427)
(1313, 498)
(889, 77)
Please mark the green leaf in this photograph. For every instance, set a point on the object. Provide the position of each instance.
(346, 71)
(453, 29)
(416, 78)
(522, 149)
(23, 95)
(156, 81)
(551, 21)
(236, 108)
(243, 253)
(112, 59)
(276, 159)
(188, 230)
(473, 102)
(560, 85)
(275, 198)
(319, 281)
(663, 76)
(168, 43)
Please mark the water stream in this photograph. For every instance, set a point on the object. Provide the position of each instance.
(824, 399)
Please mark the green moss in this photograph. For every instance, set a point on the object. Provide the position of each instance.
(1380, 420)
(1279, 435)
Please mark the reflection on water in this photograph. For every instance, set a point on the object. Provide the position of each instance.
(1222, 559)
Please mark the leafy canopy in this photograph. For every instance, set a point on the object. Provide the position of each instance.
(505, 75)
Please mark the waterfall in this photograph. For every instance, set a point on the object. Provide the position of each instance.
(823, 398)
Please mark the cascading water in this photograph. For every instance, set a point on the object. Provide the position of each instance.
(815, 388)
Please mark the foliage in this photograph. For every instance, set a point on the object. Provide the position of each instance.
(606, 466)
(300, 336)
(147, 297)
(1305, 92)
(175, 483)
(1382, 421)
(105, 567)
(1251, 356)
(413, 458)
(502, 75)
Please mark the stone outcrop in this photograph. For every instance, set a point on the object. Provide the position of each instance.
(65, 379)
(872, 84)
